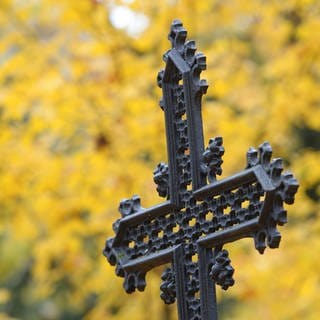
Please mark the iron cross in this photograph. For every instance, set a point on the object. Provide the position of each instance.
(201, 214)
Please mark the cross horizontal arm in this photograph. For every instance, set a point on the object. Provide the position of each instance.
(150, 261)
(139, 217)
(230, 234)
(251, 175)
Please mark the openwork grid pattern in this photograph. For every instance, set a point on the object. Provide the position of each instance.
(198, 219)
(188, 225)
(200, 214)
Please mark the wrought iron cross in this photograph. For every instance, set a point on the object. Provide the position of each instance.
(201, 214)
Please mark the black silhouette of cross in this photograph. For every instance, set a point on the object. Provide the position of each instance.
(201, 214)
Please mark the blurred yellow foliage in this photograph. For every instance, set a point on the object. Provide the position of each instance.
(81, 129)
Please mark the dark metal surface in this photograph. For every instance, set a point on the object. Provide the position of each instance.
(200, 214)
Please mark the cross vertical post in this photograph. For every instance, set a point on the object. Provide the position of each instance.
(188, 231)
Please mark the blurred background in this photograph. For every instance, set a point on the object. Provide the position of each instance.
(81, 129)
